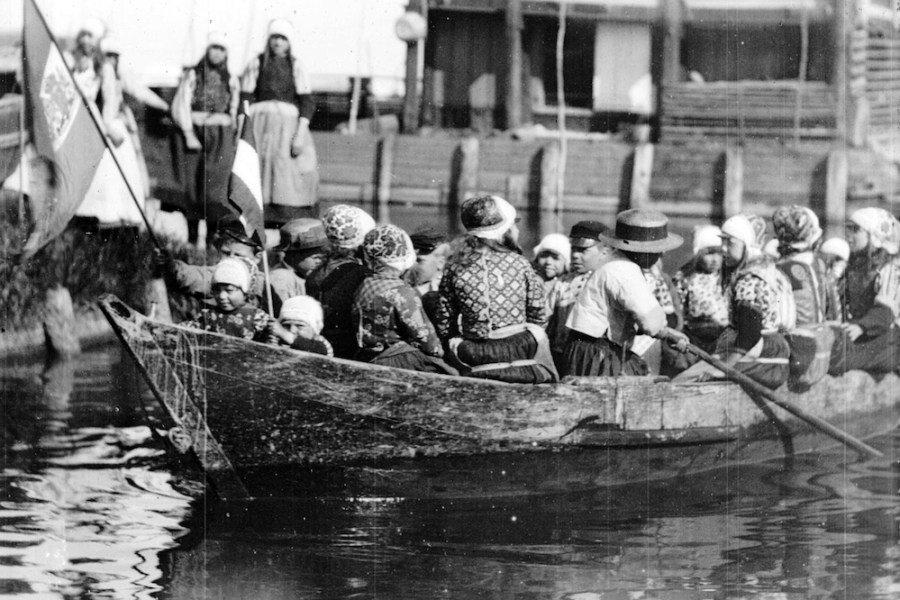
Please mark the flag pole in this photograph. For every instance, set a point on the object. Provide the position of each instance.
(92, 112)
(267, 292)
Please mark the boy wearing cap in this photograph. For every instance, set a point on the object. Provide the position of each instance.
(231, 241)
(304, 246)
(232, 314)
(617, 302)
(586, 250)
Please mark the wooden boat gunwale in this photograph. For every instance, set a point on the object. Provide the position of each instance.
(624, 416)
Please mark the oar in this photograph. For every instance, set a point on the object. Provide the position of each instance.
(761, 390)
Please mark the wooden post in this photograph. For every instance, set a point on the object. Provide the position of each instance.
(386, 147)
(672, 18)
(836, 188)
(641, 176)
(514, 26)
(549, 176)
(839, 68)
(468, 171)
(733, 197)
(413, 50)
(59, 323)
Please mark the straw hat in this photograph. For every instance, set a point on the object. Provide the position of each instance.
(642, 230)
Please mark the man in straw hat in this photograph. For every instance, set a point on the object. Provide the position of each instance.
(617, 302)
(490, 309)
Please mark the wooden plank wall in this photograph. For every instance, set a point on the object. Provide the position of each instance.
(882, 72)
(741, 109)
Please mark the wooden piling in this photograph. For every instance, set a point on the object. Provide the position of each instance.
(733, 196)
(514, 26)
(59, 323)
(411, 102)
(550, 156)
(386, 147)
(836, 188)
(641, 176)
(468, 171)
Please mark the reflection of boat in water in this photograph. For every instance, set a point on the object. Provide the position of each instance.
(269, 421)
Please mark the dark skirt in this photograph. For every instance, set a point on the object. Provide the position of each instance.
(873, 354)
(405, 356)
(521, 346)
(586, 356)
(203, 175)
(773, 367)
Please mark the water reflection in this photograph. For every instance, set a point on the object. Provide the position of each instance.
(816, 531)
(79, 515)
(89, 508)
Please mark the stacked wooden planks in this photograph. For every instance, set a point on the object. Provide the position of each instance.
(883, 80)
(748, 109)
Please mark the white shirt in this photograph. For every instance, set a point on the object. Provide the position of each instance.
(614, 300)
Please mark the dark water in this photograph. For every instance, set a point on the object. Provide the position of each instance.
(90, 507)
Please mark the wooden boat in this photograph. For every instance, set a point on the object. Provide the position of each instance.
(267, 421)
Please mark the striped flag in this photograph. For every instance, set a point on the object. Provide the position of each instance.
(66, 137)
(245, 183)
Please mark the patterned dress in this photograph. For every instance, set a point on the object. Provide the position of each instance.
(486, 287)
(761, 308)
(487, 299)
(247, 322)
(705, 306)
(388, 311)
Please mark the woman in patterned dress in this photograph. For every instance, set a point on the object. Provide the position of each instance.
(490, 310)
(761, 308)
(392, 328)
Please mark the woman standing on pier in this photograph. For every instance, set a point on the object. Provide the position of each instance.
(205, 108)
(277, 87)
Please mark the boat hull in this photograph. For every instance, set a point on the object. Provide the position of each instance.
(272, 422)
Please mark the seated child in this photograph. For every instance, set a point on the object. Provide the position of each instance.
(232, 314)
(300, 325)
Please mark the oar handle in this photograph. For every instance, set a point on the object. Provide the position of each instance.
(761, 390)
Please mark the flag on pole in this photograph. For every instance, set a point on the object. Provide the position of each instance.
(66, 139)
(245, 183)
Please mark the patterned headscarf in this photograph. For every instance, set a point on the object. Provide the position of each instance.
(796, 227)
(882, 227)
(487, 217)
(390, 246)
(759, 228)
(347, 226)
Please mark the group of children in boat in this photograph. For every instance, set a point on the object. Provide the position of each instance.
(595, 303)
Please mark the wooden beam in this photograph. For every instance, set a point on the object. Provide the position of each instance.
(411, 102)
(733, 197)
(672, 26)
(843, 21)
(641, 176)
(514, 26)
(836, 188)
